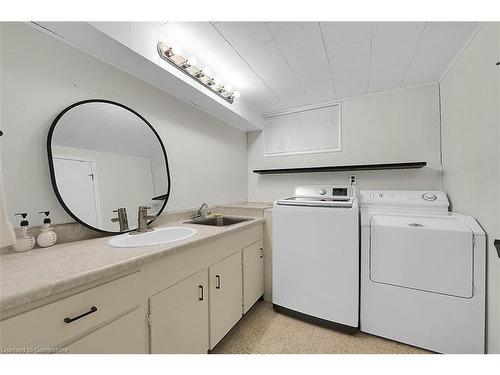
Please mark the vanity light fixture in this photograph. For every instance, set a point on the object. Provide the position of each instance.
(172, 54)
(174, 50)
(204, 72)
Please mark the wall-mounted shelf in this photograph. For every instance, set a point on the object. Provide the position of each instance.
(340, 168)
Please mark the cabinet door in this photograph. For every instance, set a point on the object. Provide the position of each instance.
(125, 335)
(225, 296)
(179, 317)
(253, 274)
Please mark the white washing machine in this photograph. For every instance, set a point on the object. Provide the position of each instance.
(422, 272)
(316, 255)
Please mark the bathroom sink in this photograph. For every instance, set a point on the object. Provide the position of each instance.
(219, 221)
(155, 237)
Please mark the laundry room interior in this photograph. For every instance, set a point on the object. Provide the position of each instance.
(250, 187)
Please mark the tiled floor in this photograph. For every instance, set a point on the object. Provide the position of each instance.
(263, 331)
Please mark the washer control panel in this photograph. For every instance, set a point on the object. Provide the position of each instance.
(325, 191)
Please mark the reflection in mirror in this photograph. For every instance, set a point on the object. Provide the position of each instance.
(104, 157)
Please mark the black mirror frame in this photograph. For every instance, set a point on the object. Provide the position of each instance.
(52, 171)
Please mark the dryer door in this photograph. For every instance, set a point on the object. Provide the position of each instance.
(433, 254)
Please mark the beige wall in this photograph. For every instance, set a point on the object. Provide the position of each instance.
(42, 75)
(396, 126)
(470, 100)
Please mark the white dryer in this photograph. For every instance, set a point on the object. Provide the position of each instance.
(422, 272)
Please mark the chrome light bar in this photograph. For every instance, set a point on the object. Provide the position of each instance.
(188, 66)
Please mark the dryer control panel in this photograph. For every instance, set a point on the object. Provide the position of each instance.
(402, 198)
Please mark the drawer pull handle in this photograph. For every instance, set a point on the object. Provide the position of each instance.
(261, 253)
(200, 298)
(93, 309)
(217, 282)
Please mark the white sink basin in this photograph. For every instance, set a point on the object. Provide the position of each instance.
(156, 237)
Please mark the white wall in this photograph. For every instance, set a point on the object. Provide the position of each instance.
(470, 100)
(41, 76)
(395, 126)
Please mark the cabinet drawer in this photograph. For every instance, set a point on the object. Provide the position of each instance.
(58, 322)
(124, 335)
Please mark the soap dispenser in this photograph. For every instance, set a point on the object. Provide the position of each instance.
(47, 236)
(24, 239)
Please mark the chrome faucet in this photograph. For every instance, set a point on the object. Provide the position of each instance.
(142, 220)
(202, 212)
(121, 219)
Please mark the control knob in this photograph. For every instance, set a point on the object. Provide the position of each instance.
(429, 196)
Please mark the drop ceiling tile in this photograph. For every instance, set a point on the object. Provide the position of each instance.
(343, 34)
(350, 68)
(303, 49)
(255, 45)
(295, 33)
(386, 79)
(268, 62)
(244, 35)
(451, 34)
(429, 65)
(311, 68)
(393, 46)
(394, 43)
(439, 44)
(290, 94)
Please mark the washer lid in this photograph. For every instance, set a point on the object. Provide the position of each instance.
(433, 254)
(316, 201)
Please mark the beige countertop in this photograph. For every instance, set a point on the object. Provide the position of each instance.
(248, 205)
(39, 273)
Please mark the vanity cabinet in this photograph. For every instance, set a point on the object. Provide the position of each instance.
(79, 321)
(185, 302)
(179, 317)
(253, 274)
(225, 284)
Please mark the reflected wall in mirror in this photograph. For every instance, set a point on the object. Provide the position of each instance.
(104, 156)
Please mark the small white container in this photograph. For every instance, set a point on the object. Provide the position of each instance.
(47, 236)
(24, 239)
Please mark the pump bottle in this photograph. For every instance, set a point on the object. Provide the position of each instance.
(47, 236)
(24, 239)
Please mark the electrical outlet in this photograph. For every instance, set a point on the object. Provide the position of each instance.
(353, 180)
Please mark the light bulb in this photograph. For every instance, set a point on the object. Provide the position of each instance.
(217, 80)
(175, 50)
(229, 88)
(206, 71)
(192, 61)
(236, 94)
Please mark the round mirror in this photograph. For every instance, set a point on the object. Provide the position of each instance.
(106, 161)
